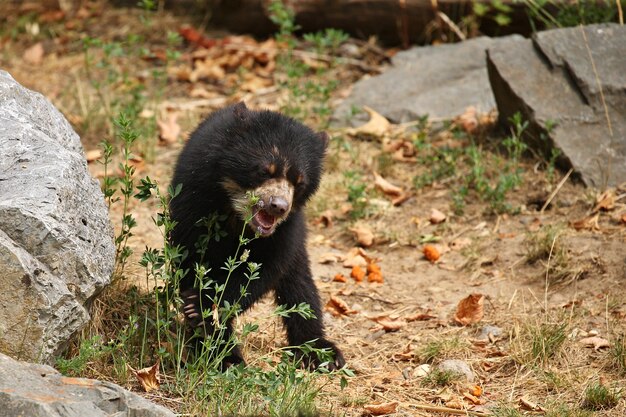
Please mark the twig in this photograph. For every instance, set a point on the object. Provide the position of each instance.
(448, 410)
(451, 25)
(556, 190)
(620, 12)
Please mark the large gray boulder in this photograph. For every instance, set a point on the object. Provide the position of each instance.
(34, 390)
(438, 81)
(570, 84)
(56, 245)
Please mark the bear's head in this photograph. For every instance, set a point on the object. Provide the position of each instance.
(272, 160)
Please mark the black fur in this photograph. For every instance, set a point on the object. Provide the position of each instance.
(238, 145)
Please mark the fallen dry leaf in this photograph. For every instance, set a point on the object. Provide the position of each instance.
(587, 223)
(375, 277)
(329, 258)
(386, 187)
(377, 126)
(420, 317)
(338, 307)
(605, 201)
(340, 278)
(374, 274)
(148, 377)
(391, 324)
(530, 405)
(169, 130)
(380, 409)
(473, 399)
(93, 155)
(468, 121)
(431, 253)
(357, 273)
(405, 355)
(470, 310)
(364, 235)
(437, 216)
(455, 403)
(596, 342)
(476, 391)
(356, 257)
(34, 54)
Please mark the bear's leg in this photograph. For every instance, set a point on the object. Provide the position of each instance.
(297, 287)
(209, 337)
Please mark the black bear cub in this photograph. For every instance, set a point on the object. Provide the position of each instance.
(235, 152)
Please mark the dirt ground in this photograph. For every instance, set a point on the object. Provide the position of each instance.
(481, 253)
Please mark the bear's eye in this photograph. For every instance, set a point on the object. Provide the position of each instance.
(271, 169)
(299, 180)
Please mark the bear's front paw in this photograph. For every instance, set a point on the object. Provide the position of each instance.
(332, 359)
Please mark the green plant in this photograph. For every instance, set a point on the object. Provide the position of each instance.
(441, 378)
(564, 410)
(309, 88)
(505, 411)
(327, 41)
(556, 14)
(89, 350)
(618, 353)
(357, 194)
(599, 397)
(547, 340)
(437, 350)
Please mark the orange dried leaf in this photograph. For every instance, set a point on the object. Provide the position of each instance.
(468, 121)
(169, 130)
(473, 399)
(587, 223)
(357, 273)
(605, 201)
(356, 257)
(93, 155)
(340, 278)
(338, 307)
(387, 187)
(377, 125)
(431, 253)
(437, 216)
(391, 324)
(373, 267)
(380, 409)
(476, 391)
(470, 310)
(364, 236)
(596, 342)
(405, 355)
(375, 277)
(420, 317)
(148, 377)
(34, 54)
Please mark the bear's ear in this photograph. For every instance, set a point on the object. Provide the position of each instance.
(240, 110)
(323, 136)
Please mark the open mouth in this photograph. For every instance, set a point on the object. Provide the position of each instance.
(263, 223)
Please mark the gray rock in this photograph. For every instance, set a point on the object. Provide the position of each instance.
(551, 80)
(439, 81)
(56, 246)
(458, 367)
(489, 331)
(34, 390)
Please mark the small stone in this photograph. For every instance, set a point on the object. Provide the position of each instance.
(458, 367)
